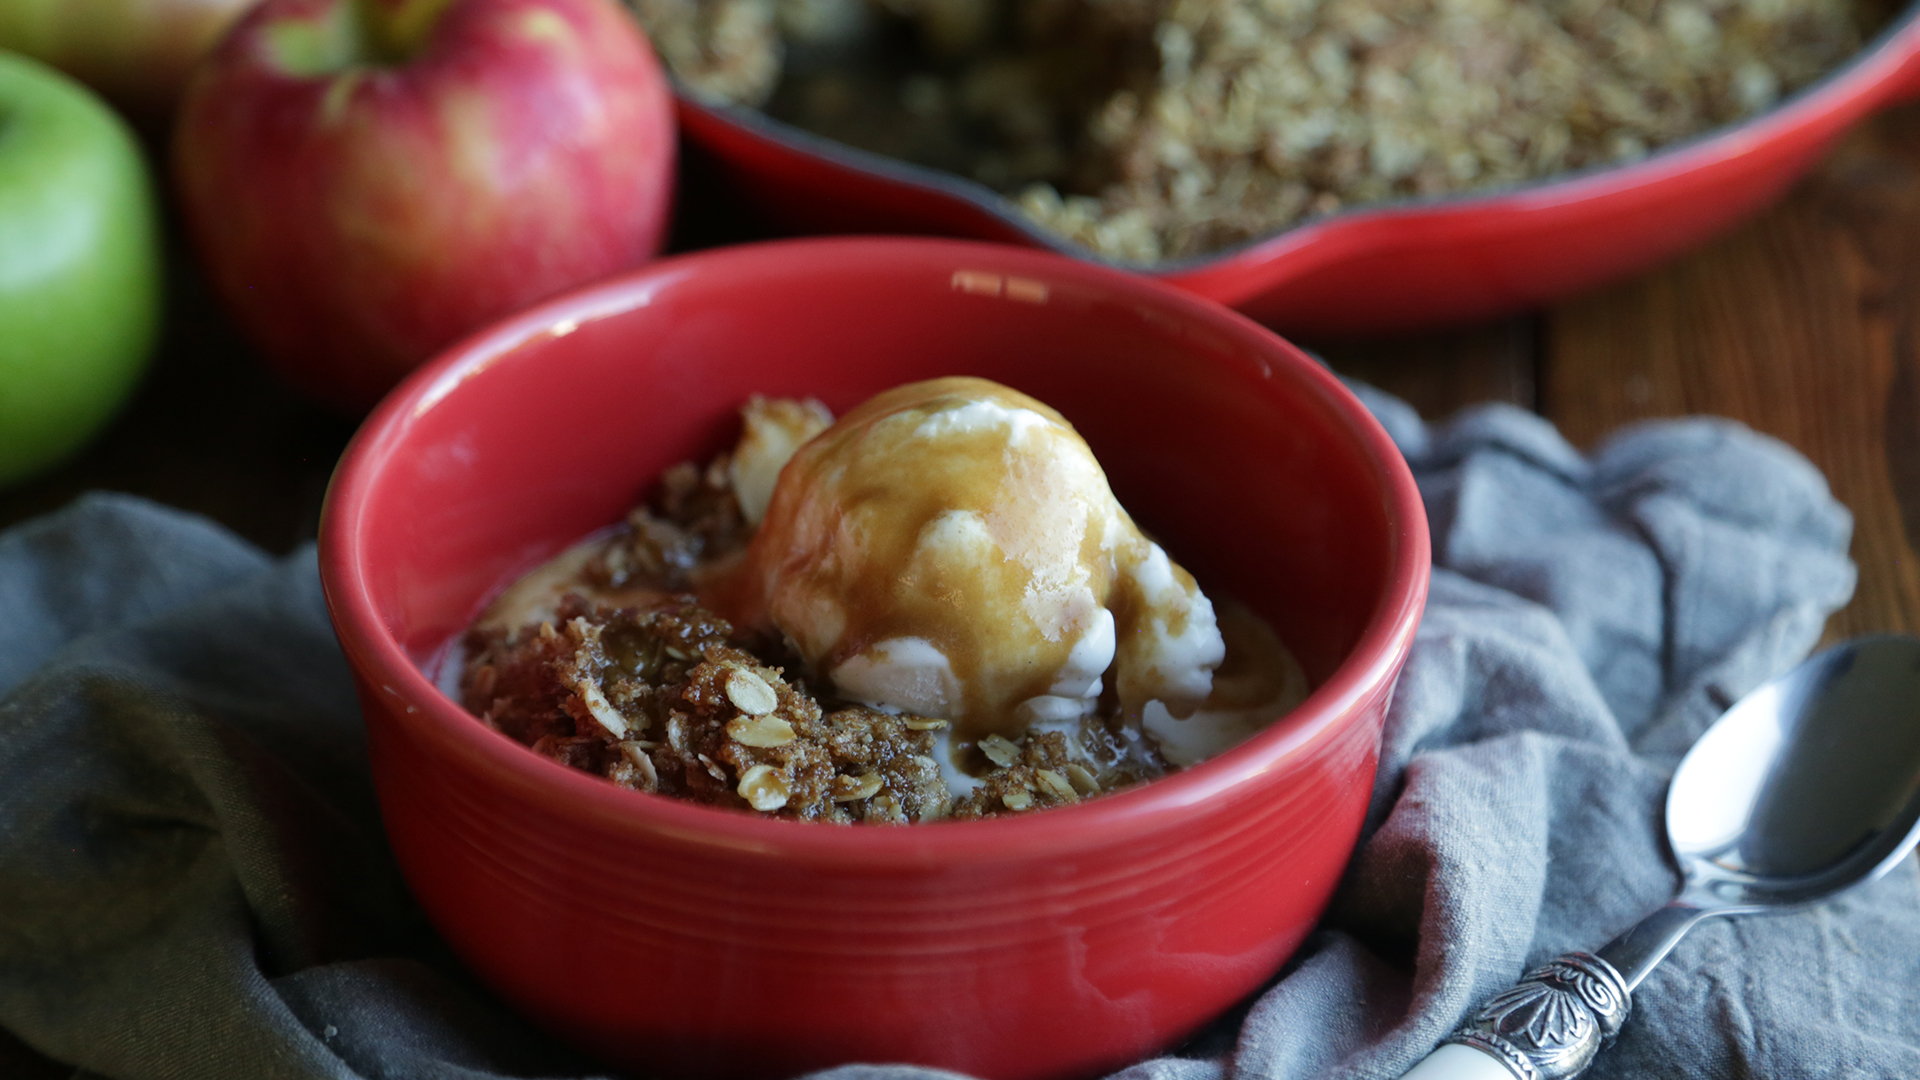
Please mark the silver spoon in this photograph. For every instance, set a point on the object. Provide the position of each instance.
(1805, 787)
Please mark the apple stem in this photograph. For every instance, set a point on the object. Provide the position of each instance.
(396, 30)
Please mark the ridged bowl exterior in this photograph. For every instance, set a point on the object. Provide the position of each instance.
(680, 940)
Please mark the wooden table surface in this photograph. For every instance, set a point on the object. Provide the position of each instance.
(1804, 324)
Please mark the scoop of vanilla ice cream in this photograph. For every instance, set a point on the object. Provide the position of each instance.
(951, 548)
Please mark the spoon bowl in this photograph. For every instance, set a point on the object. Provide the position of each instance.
(1806, 787)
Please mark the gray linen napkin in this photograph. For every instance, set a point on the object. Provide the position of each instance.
(193, 881)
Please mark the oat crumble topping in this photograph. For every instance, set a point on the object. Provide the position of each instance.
(670, 700)
(612, 659)
(1158, 129)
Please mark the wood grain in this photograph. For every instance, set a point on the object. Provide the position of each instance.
(1803, 324)
(1439, 374)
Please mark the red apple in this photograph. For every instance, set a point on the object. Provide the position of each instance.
(367, 180)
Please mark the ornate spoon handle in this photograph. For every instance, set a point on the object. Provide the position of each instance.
(1548, 1026)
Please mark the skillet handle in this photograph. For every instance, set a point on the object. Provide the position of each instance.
(1548, 1026)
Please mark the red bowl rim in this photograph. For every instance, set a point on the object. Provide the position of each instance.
(383, 663)
(1840, 95)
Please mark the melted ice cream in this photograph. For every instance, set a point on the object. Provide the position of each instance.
(951, 548)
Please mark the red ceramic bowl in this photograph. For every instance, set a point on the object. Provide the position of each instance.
(1386, 267)
(677, 939)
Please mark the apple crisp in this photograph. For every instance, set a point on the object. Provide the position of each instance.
(1150, 130)
(659, 694)
(823, 625)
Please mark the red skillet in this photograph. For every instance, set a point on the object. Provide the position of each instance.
(1392, 266)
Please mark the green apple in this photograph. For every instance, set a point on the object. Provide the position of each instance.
(79, 265)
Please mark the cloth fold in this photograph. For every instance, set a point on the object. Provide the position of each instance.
(193, 880)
